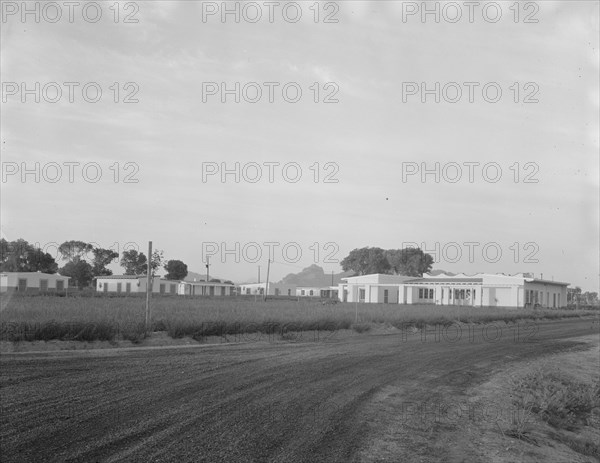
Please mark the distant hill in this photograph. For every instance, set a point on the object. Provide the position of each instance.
(193, 276)
(437, 272)
(313, 276)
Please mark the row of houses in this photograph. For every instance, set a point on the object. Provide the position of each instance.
(479, 290)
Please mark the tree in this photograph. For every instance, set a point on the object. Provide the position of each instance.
(102, 258)
(135, 263)
(20, 256)
(367, 260)
(409, 261)
(79, 271)
(176, 270)
(75, 250)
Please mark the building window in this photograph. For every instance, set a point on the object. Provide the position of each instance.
(311, 293)
(361, 294)
(247, 290)
(43, 285)
(128, 287)
(173, 289)
(289, 292)
(385, 296)
(431, 293)
(420, 293)
(222, 290)
(302, 292)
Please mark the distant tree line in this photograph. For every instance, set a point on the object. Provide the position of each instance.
(576, 297)
(83, 261)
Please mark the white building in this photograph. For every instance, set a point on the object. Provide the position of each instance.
(488, 290)
(329, 292)
(32, 281)
(137, 284)
(483, 289)
(275, 289)
(203, 288)
(374, 288)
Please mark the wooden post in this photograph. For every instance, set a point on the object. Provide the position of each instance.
(148, 285)
(267, 283)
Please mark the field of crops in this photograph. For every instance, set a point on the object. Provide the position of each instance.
(28, 318)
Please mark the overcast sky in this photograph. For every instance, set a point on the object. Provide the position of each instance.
(374, 141)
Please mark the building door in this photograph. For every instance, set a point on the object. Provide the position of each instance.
(385, 296)
(222, 290)
(345, 296)
(105, 287)
(361, 295)
(60, 285)
(119, 287)
(22, 284)
(162, 288)
(43, 285)
(212, 290)
(127, 287)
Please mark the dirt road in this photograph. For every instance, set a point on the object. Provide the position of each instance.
(306, 401)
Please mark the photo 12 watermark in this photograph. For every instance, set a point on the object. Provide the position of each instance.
(69, 172)
(269, 12)
(469, 172)
(469, 92)
(453, 333)
(290, 252)
(71, 92)
(70, 12)
(490, 252)
(269, 172)
(269, 92)
(450, 12)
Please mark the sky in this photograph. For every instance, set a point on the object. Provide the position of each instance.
(336, 141)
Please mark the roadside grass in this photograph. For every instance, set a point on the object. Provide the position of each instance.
(563, 403)
(30, 318)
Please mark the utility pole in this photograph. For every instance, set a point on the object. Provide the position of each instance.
(259, 273)
(207, 268)
(148, 285)
(267, 283)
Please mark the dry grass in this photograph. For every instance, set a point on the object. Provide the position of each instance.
(107, 318)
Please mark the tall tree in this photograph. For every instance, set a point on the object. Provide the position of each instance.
(20, 256)
(79, 271)
(409, 261)
(135, 263)
(75, 250)
(367, 260)
(176, 270)
(102, 258)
